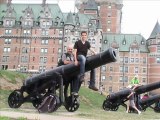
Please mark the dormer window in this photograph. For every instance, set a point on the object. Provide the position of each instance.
(55, 23)
(124, 42)
(46, 14)
(142, 42)
(77, 24)
(105, 41)
(62, 23)
(10, 14)
(89, 24)
(28, 14)
(57, 18)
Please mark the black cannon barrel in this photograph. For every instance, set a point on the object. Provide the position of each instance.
(151, 100)
(147, 88)
(141, 89)
(119, 95)
(70, 70)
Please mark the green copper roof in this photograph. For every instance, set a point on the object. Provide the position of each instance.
(128, 39)
(37, 8)
(82, 18)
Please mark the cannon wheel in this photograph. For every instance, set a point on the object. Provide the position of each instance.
(15, 99)
(72, 105)
(115, 108)
(106, 105)
(55, 103)
(37, 101)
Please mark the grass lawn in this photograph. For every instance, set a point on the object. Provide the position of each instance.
(90, 106)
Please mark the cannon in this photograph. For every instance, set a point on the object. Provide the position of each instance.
(145, 103)
(114, 100)
(56, 82)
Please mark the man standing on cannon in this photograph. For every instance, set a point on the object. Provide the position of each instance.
(81, 48)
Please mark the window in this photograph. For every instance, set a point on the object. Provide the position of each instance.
(93, 41)
(109, 6)
(158, 59)
(110, 89)
(24, 59)
(158, 49)
(103, 68)
(126, 69)
(143, 80)
(110, 77)
(108, 21)
(9, 22)
(126, 60)
(5, 59)
(26, 32)
(109, 14)
(144, 70)
(144, 60)
(26, 41)
(108, 29)
(7, 41)
(60, 32)
(59, 50)
(44, 32)
(8, 31)
(76, 33)
(105, 41)
(44, 42)
(111, 69)
(60, 41)
(44, 50)
(125, 78)
(27, 23)
(132, 60)
(103, 77)
(136, 70)
(121, 68)
(7, 49)
(42, 68)
(25, 50)
(137, 60)
(43, 59)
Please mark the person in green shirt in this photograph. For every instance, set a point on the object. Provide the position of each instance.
(135, 80)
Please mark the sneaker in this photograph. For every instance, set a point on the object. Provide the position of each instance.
(75, 93)
(139, 112)
(93, 88)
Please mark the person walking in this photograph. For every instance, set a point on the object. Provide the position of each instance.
(81, 48)
(131, 100)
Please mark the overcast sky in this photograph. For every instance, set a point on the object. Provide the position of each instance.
(138, 16)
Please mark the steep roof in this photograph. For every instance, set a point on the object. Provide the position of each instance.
(91, 5)
(128, 39)
(155, 30)
(37, 8)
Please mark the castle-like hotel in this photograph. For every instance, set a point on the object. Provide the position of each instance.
(33, 37)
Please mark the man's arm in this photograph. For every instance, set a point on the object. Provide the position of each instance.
(75, 57)
(92, 50)
(64, 59)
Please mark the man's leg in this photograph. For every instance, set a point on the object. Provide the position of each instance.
(92, 80)
(82, 62)
(75, 86)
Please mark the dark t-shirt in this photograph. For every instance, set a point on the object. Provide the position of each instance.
(82, 49)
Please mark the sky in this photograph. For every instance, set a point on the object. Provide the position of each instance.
(138, 16)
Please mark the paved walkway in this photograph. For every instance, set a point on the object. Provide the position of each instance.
(37, 116)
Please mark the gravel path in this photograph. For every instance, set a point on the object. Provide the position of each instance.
(37, 116)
